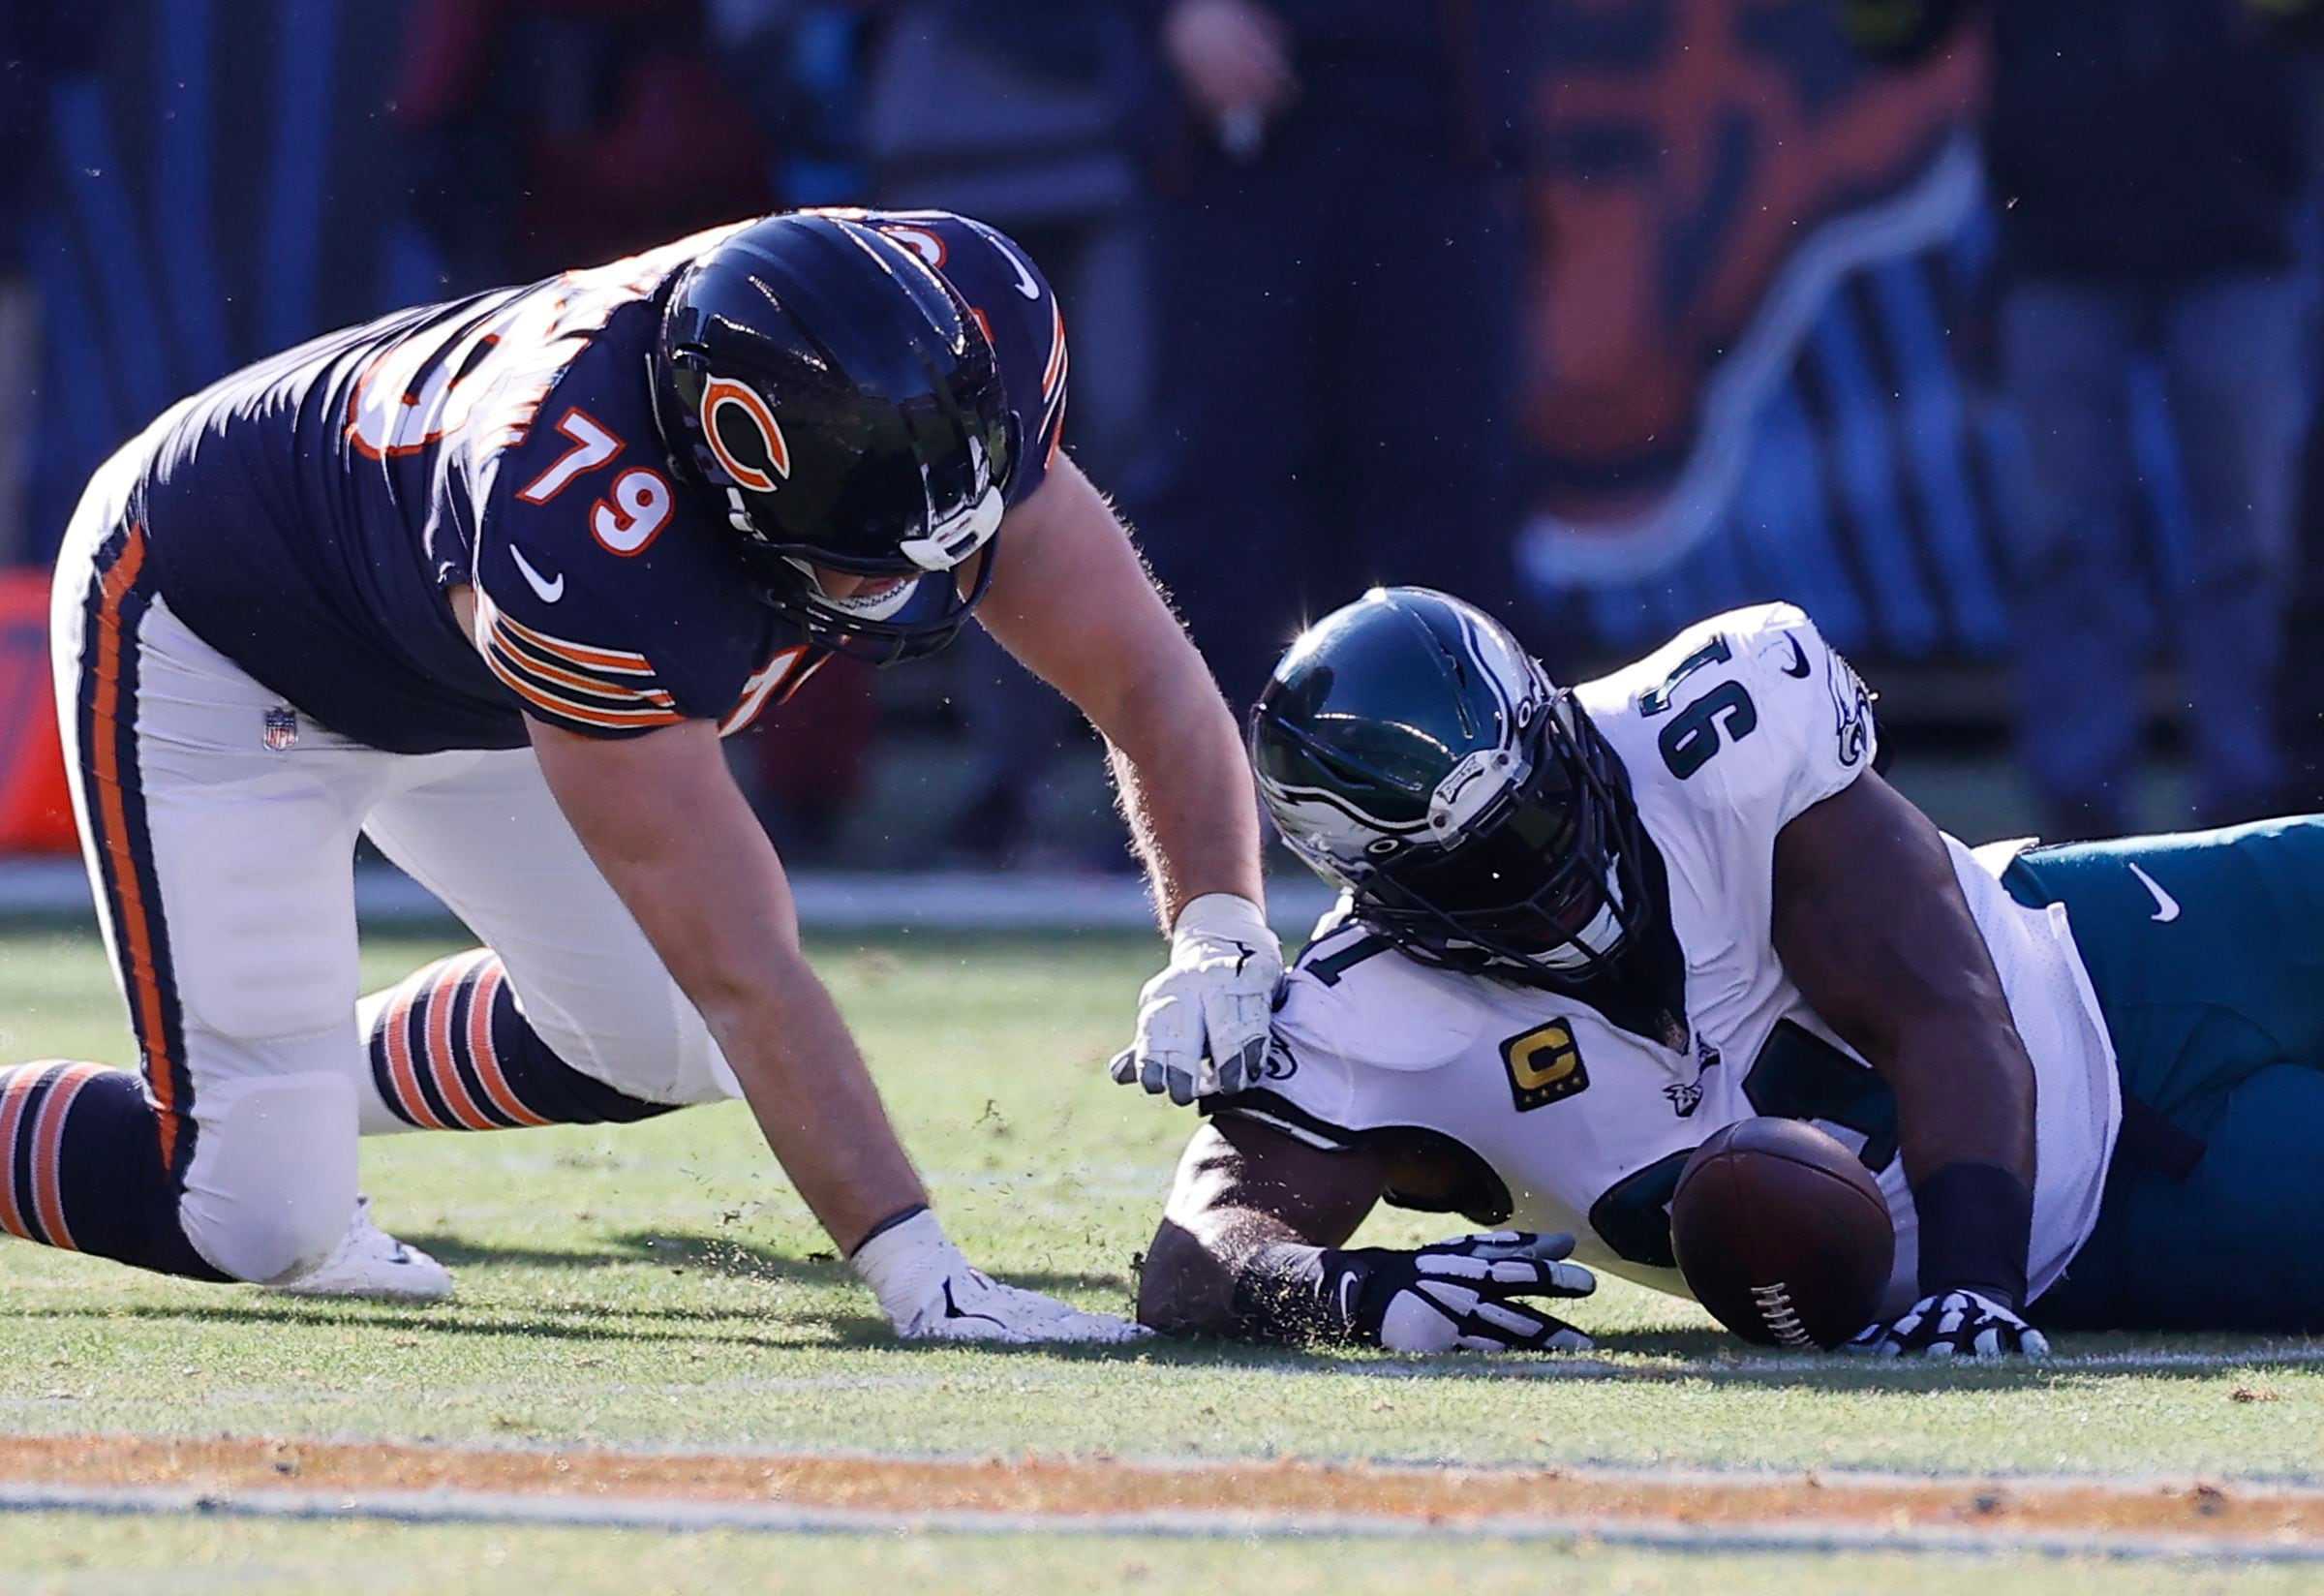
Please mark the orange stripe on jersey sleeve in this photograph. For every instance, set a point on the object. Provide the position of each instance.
(645, 718)
(619, 660)
(540, 671)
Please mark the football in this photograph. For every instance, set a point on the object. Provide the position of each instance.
(1782, 1234)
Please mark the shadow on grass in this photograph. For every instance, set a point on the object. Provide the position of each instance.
(719, 1255)
(1711, 1358)
(1637, 1357)
(1634, 1358)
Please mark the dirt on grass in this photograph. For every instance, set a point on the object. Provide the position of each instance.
(1067, 1488)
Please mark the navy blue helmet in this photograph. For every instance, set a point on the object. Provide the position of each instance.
(842, 399)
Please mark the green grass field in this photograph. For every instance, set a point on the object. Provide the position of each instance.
(660, 1286)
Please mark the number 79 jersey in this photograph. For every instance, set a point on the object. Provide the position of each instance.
(1559, 1118)
(307, 516)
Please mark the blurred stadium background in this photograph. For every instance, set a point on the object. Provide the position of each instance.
(1753, 303)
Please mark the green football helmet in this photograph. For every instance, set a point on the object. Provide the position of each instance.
(1413, 755)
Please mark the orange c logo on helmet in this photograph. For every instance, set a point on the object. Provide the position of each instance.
(724, 392)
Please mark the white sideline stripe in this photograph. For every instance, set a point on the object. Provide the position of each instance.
(465, 1507)
(828, 900)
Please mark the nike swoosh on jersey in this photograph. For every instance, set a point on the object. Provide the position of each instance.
(1800, 659)
(2166, 906)
(550, 591)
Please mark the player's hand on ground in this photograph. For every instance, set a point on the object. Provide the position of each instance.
(1461, 1295)
(971, 1305)
(1953, 1323)
(1203, 1021)
(929, 1291)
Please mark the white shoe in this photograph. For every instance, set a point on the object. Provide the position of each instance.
(368, 1262)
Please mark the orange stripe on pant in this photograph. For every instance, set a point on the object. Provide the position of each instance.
(136, 925)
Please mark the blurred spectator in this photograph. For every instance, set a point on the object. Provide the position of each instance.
(2148, 156)
(1337, 260)
(1014, 112)
(548, 132)
(39, 40)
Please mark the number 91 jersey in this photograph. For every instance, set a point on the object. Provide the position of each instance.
(306, 516)
(1561, 1118)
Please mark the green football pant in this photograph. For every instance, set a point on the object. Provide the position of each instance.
(2207, 953)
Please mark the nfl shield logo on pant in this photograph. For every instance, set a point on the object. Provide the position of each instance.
(282, 728)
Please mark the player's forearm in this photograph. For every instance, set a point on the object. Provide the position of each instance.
(664, 822)
(815, 1103)
(1242, 1241)
(1964, 1118)
(1210, 1235)
(1223, 1273)
(1964, 1095)
(1871, 924)
(1185, 791)
(1929, 1012)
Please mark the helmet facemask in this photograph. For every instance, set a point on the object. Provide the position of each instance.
(945, 569)
(1540, 887)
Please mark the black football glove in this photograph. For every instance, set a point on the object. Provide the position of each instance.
(1458, 1295)
(1965, 1324)
(1453, 1295)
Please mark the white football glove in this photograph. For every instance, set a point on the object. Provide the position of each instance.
(1202, 1023)
(929, 1291)
(1952, 1324)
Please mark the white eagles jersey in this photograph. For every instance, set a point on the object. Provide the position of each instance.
(1565, 1121)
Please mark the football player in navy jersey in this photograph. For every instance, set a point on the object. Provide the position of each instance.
(487, 581)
